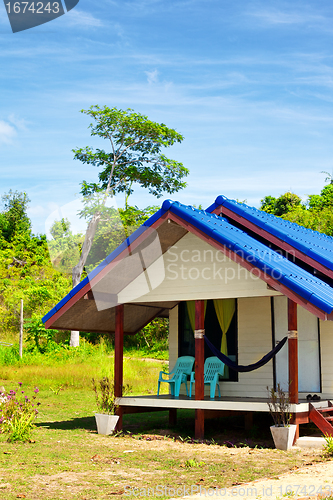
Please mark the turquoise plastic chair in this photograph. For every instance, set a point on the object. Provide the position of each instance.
(178, 375)
(213, 369)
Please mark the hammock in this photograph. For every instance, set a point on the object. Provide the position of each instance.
(241, 368)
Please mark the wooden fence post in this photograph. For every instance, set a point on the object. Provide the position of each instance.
(21, 330)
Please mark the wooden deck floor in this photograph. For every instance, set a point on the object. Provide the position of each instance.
(167, 402)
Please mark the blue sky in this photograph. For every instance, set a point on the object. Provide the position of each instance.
(249, 85)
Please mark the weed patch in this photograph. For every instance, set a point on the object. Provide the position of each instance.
(328, 448)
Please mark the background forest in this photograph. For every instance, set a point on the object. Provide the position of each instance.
(26, 270)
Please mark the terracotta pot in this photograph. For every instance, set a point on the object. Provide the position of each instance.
(283, 437)
(106, 424)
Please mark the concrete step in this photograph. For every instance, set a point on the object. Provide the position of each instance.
(310, 442)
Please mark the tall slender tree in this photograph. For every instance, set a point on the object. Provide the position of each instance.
(135, 157)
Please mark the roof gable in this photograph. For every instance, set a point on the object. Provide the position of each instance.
(191, 269)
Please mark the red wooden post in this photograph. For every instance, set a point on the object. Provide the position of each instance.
(118, 359)
(293, 351)
(199, 366)
(293, 357)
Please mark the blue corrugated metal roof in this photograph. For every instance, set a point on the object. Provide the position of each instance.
(316, 245)
(264, 258)
(281, 269)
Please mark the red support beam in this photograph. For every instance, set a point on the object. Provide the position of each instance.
(199, 366)
(199, 431)
(118, 358)
(293, 351)
(292, 315)
(293, 356)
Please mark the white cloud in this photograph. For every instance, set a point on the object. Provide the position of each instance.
(152, 76)
(18, 123)
(10, 127)
(81, 18)
(7, 132)
(274, 16)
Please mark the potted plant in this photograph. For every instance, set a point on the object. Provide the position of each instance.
(283, 432)
(106, 420)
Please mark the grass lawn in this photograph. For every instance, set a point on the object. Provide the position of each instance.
(69, 460)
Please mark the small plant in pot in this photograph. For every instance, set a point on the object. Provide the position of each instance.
(106, 420)
(283, 432)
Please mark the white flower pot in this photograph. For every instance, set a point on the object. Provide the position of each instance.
(106, 424)
(283, 437)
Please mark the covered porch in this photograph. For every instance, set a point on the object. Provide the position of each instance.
(203, 405)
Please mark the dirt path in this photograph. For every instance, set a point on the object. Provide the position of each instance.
(310, 482)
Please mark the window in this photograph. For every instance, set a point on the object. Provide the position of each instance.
(213, 331)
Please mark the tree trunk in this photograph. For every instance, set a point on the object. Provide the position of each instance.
(78, 269)
(75, 338)
(86, 247)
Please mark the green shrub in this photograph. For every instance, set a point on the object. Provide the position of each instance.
(38, 336)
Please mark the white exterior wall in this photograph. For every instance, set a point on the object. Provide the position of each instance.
(254, 316)
(326, 351)
(254, 341)
(308, 348)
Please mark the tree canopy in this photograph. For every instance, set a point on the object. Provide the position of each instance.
(135, 156)
(281, 205)
(25, 268)
(316, 213)
(14, 218)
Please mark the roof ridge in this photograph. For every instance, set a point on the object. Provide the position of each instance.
(221, 199)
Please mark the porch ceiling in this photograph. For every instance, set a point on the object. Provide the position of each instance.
(84, 316)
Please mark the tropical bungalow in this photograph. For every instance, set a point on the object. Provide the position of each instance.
(231, 279)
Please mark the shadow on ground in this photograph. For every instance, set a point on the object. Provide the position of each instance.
(228, 431)
(87, 423)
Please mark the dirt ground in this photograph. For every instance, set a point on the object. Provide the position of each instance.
(313, 481)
